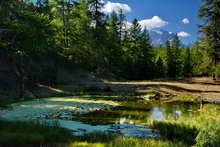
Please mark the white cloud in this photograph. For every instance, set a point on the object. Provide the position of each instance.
(185, 21)
(183, 34)
(109, 7)
(154, 22)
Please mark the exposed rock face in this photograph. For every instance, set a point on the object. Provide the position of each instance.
(160, 37)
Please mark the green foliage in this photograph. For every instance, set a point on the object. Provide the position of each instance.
(174, 61)
(44, 34)
(209, 136)
(138, 54)
(210, 14)
(187, 63)
(160, 68)
(114, 50)
(201, 62)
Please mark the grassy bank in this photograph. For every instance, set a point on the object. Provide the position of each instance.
(30, 133)
(202, 131)
(35, 134)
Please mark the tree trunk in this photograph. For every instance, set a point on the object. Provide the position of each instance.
(20, 75)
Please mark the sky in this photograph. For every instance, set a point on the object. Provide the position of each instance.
(177, 16)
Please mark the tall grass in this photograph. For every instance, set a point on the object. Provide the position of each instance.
(200, 131)
(33, 132)
(107, 140)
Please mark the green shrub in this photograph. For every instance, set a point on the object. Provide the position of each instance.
(209, 136)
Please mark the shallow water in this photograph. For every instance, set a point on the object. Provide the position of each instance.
(84, 115)
(131, 119)
(126, 130)
(141, 113)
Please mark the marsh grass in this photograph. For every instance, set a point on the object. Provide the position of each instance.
(117, 141)
(176, 132)
(33, 132)
(200, 131)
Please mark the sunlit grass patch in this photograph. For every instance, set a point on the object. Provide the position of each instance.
(183, 99)
(85, 144)
(80, 100)
(135, 142)
(107, 140)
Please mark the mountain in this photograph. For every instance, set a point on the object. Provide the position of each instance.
(159, 37)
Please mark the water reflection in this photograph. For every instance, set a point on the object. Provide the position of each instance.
(157, 114)
(148, 112)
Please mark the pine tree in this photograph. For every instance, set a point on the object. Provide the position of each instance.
(114, 48)
(201, 60)
(138, 53)
(174, 58)
(95, 7)
(99, 33)
(160, 69)
(122, 25)
(170, 60)
(134, 37)
(81, 36)
(210, 14)
(187, 66)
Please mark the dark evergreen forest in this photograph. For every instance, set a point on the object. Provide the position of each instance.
(36, 38)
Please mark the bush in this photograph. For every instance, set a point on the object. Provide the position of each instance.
(209, 136)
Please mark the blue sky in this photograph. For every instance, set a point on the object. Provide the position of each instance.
(171, 12)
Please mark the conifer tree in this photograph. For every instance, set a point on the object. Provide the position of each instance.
(114, 48)
(187, 63)
(170, 60)
(99, 32)
(160, 69)
(210, 14)
(174, 61)
(139, 52)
